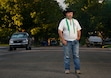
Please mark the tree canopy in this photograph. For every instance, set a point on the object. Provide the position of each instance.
(40, 18)
(93, 16)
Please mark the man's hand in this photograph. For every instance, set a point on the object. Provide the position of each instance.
(64, 42)
(78, 38)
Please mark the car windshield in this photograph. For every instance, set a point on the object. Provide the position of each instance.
(19, 36)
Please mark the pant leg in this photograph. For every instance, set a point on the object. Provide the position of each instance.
(75, 52)
(67, 50)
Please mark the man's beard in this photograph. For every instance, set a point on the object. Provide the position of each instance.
(69, 17)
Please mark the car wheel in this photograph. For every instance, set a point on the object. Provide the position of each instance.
(88, 45)
(101, 46)
(28, 48)
(14, 48)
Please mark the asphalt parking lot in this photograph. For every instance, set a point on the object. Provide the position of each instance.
(47, 62)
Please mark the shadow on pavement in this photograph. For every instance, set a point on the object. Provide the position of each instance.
(77, 76)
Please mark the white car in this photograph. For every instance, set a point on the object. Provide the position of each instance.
(94, 40)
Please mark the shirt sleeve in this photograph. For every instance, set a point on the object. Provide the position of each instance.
(78, 25)
(61, 25)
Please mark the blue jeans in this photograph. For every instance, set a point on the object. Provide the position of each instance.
(72, 46)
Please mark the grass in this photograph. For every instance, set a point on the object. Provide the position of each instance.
(4, 45)
(107, 46)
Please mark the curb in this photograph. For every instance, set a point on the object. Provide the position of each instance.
(3, 47)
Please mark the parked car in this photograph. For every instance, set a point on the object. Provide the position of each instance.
(20, 40)
(107, 41)
(53, 43)
(44, 43)
(94, 40)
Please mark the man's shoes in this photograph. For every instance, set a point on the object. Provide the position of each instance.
(77, 72)
(67, 72)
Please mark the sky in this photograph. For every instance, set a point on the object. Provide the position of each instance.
(61, 3)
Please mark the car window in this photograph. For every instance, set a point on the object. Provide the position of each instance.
(19, 36)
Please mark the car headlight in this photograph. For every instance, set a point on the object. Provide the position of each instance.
(25, 41)
(11, 41)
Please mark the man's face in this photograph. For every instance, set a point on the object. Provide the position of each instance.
(69, 15)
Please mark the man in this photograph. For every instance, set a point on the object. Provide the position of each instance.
(70, 32)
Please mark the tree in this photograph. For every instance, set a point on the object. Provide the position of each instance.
(93, 16)
(38, 17)
(47, 15)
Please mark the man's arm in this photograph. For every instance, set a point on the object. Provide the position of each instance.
(61, 37)
(61, 34)
(78, 34)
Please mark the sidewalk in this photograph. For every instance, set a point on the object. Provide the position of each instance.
(3, 47)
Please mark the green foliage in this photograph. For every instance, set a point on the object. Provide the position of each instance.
(41, 18)
(93, 16)
(37, 17)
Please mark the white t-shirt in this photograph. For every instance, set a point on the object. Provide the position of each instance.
(70, 33)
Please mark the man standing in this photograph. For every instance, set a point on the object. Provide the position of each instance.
(70, 32)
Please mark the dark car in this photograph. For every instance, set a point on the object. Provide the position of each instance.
(20, 40)
(44, 43)
(53, 43)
